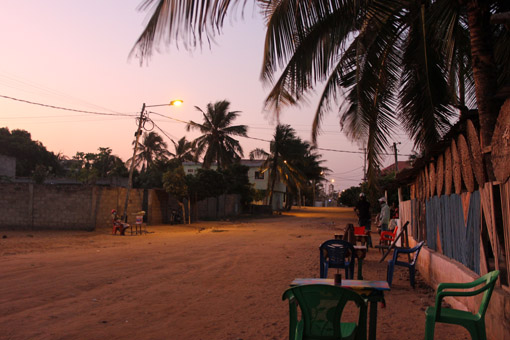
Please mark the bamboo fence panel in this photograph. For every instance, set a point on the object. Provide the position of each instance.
(487, 199)
(448, 171)
(457, 175)
(476, 153)
(505, 205)
(439, 174)
(432, 178)
(501, 144)
(465, 161)
(427, 182)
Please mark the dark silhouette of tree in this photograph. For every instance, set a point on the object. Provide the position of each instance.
(216, 143)
(28, 153)
(184, 150)
(151, 149)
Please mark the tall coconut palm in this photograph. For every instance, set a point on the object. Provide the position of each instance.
(216, 143)
(389, 59)
(184, 150)
(285, 152)
(151, 149)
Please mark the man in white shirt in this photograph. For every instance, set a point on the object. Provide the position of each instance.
(384, 215)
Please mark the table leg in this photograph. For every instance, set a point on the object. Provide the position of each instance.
(372, 324)
(360, 268)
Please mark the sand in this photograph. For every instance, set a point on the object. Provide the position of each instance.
(208, 280)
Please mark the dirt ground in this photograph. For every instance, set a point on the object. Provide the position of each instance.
(209, 280)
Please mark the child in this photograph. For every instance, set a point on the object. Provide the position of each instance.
(118, 223)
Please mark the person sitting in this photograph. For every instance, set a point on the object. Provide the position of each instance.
(118, 224)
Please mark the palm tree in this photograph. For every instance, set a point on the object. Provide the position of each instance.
(406, 60)
(216, 142)
(285, 152)
(184, 150)
(151, 149)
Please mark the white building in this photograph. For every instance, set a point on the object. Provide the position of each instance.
(257, 178)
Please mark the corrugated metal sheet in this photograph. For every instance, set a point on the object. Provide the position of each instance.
(458, 240)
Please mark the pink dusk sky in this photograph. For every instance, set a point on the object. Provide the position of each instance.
(74, 54)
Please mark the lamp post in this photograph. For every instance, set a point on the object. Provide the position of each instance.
(141, 121)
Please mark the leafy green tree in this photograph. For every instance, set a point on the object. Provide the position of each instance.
(237, 182)
(28, 153)
(211, 183)
(216, 143)
(349, 197)
(174, 182)
(89, 167)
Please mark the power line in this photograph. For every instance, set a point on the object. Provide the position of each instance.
(175, 119)
(65, 108)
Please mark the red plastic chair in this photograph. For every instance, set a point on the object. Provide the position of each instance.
(361, 235)
(359, 231)
(387, 237)
(117, 226)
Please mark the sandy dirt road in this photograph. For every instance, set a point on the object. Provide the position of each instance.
(209, 280)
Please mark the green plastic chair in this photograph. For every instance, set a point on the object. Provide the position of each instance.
(321, 311)
(474, 323)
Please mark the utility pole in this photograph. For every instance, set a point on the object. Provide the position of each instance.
(132, 166)
(396, 156)
(141, 122)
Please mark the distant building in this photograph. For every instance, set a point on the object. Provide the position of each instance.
(257, 178)
(7, 166)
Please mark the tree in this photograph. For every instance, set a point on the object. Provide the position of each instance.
(411, 60)
(174, 182)
(237, 182)
(184, 150)
(349, 197)
(29, 154)
(151, 149)
(216, 142)
(88, 167)
(286, 161)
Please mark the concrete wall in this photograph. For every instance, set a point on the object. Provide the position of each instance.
(33, 206)
(436, 268)
(223, 206)
(84, 207)
(70, 207)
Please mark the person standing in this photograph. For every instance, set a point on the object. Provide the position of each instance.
(384, 215)
(362, 209)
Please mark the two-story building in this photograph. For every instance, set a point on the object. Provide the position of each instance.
(258, 179)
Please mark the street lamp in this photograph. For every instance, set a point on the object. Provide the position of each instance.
(141, 121)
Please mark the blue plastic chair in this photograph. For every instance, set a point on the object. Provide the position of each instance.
(337, 254)
(411, 264)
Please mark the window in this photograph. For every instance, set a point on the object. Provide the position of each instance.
(259, 175)
(190, 170)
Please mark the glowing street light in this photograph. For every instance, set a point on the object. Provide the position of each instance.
(141, 121)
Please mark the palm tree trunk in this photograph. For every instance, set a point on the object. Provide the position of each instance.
(484, 67)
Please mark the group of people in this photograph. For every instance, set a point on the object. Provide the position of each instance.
(362, 209)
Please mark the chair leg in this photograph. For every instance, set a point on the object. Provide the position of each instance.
(430, 325)
(389, 272)
(411, 275)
